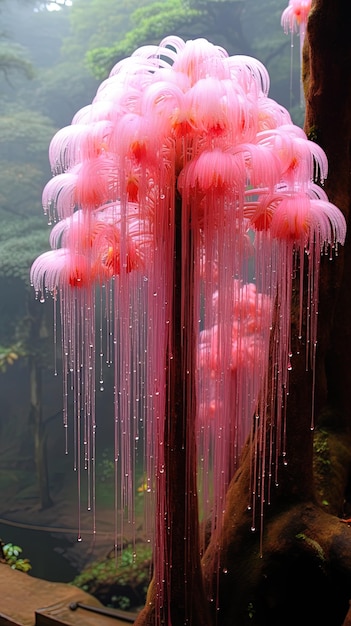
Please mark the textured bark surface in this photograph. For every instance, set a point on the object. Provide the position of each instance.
(328, 121)
(304, 572)
(184, 600)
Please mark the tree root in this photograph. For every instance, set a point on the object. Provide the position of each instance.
(303, 575)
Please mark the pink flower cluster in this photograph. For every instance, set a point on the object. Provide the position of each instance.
(183, 116)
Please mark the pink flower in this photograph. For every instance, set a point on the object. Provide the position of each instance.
(199, 58)
(77, 142)
(305, 220)
(294, 18)
(213, 171)
(295, 14)
(89, 248)
(56, 268)
(301, 160)
(292, 218)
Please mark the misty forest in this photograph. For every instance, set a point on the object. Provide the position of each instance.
(175, 347)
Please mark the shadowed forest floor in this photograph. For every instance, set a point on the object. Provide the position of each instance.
(56, 528)
(44, 534)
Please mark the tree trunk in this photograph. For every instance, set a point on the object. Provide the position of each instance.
(40, 452)
(303, 574)
(328, 121)
(36, 409)
(327, 80)
(177, 529)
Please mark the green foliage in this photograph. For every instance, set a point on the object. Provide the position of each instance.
(321, 452)
(323, 466)
(71, 86)
(96, 23)
(13, 559)
(21, 240)
(153, 23)
(20, 190)
(166, 15)
(39, 33)
(25, 134)
(313, 134)
(9, 356)
(12, 59)
(24, 140)
(121, 581)
(20, 193)
(242, 27)
(106, 468)
(251, 610)
(314, 545)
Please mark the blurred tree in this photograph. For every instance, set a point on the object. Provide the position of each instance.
(40, 33)
(96, 23)
(24, 137)
(12, 56)
(54, 93)
(12, 59)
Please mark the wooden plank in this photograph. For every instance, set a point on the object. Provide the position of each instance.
(25, 600)
(62, 615)
(7, 621)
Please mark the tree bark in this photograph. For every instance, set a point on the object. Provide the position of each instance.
(36, 410)
(184, 600)
(305, 547)
(327, 79)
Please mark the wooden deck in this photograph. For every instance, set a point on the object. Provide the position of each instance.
(29, 601)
